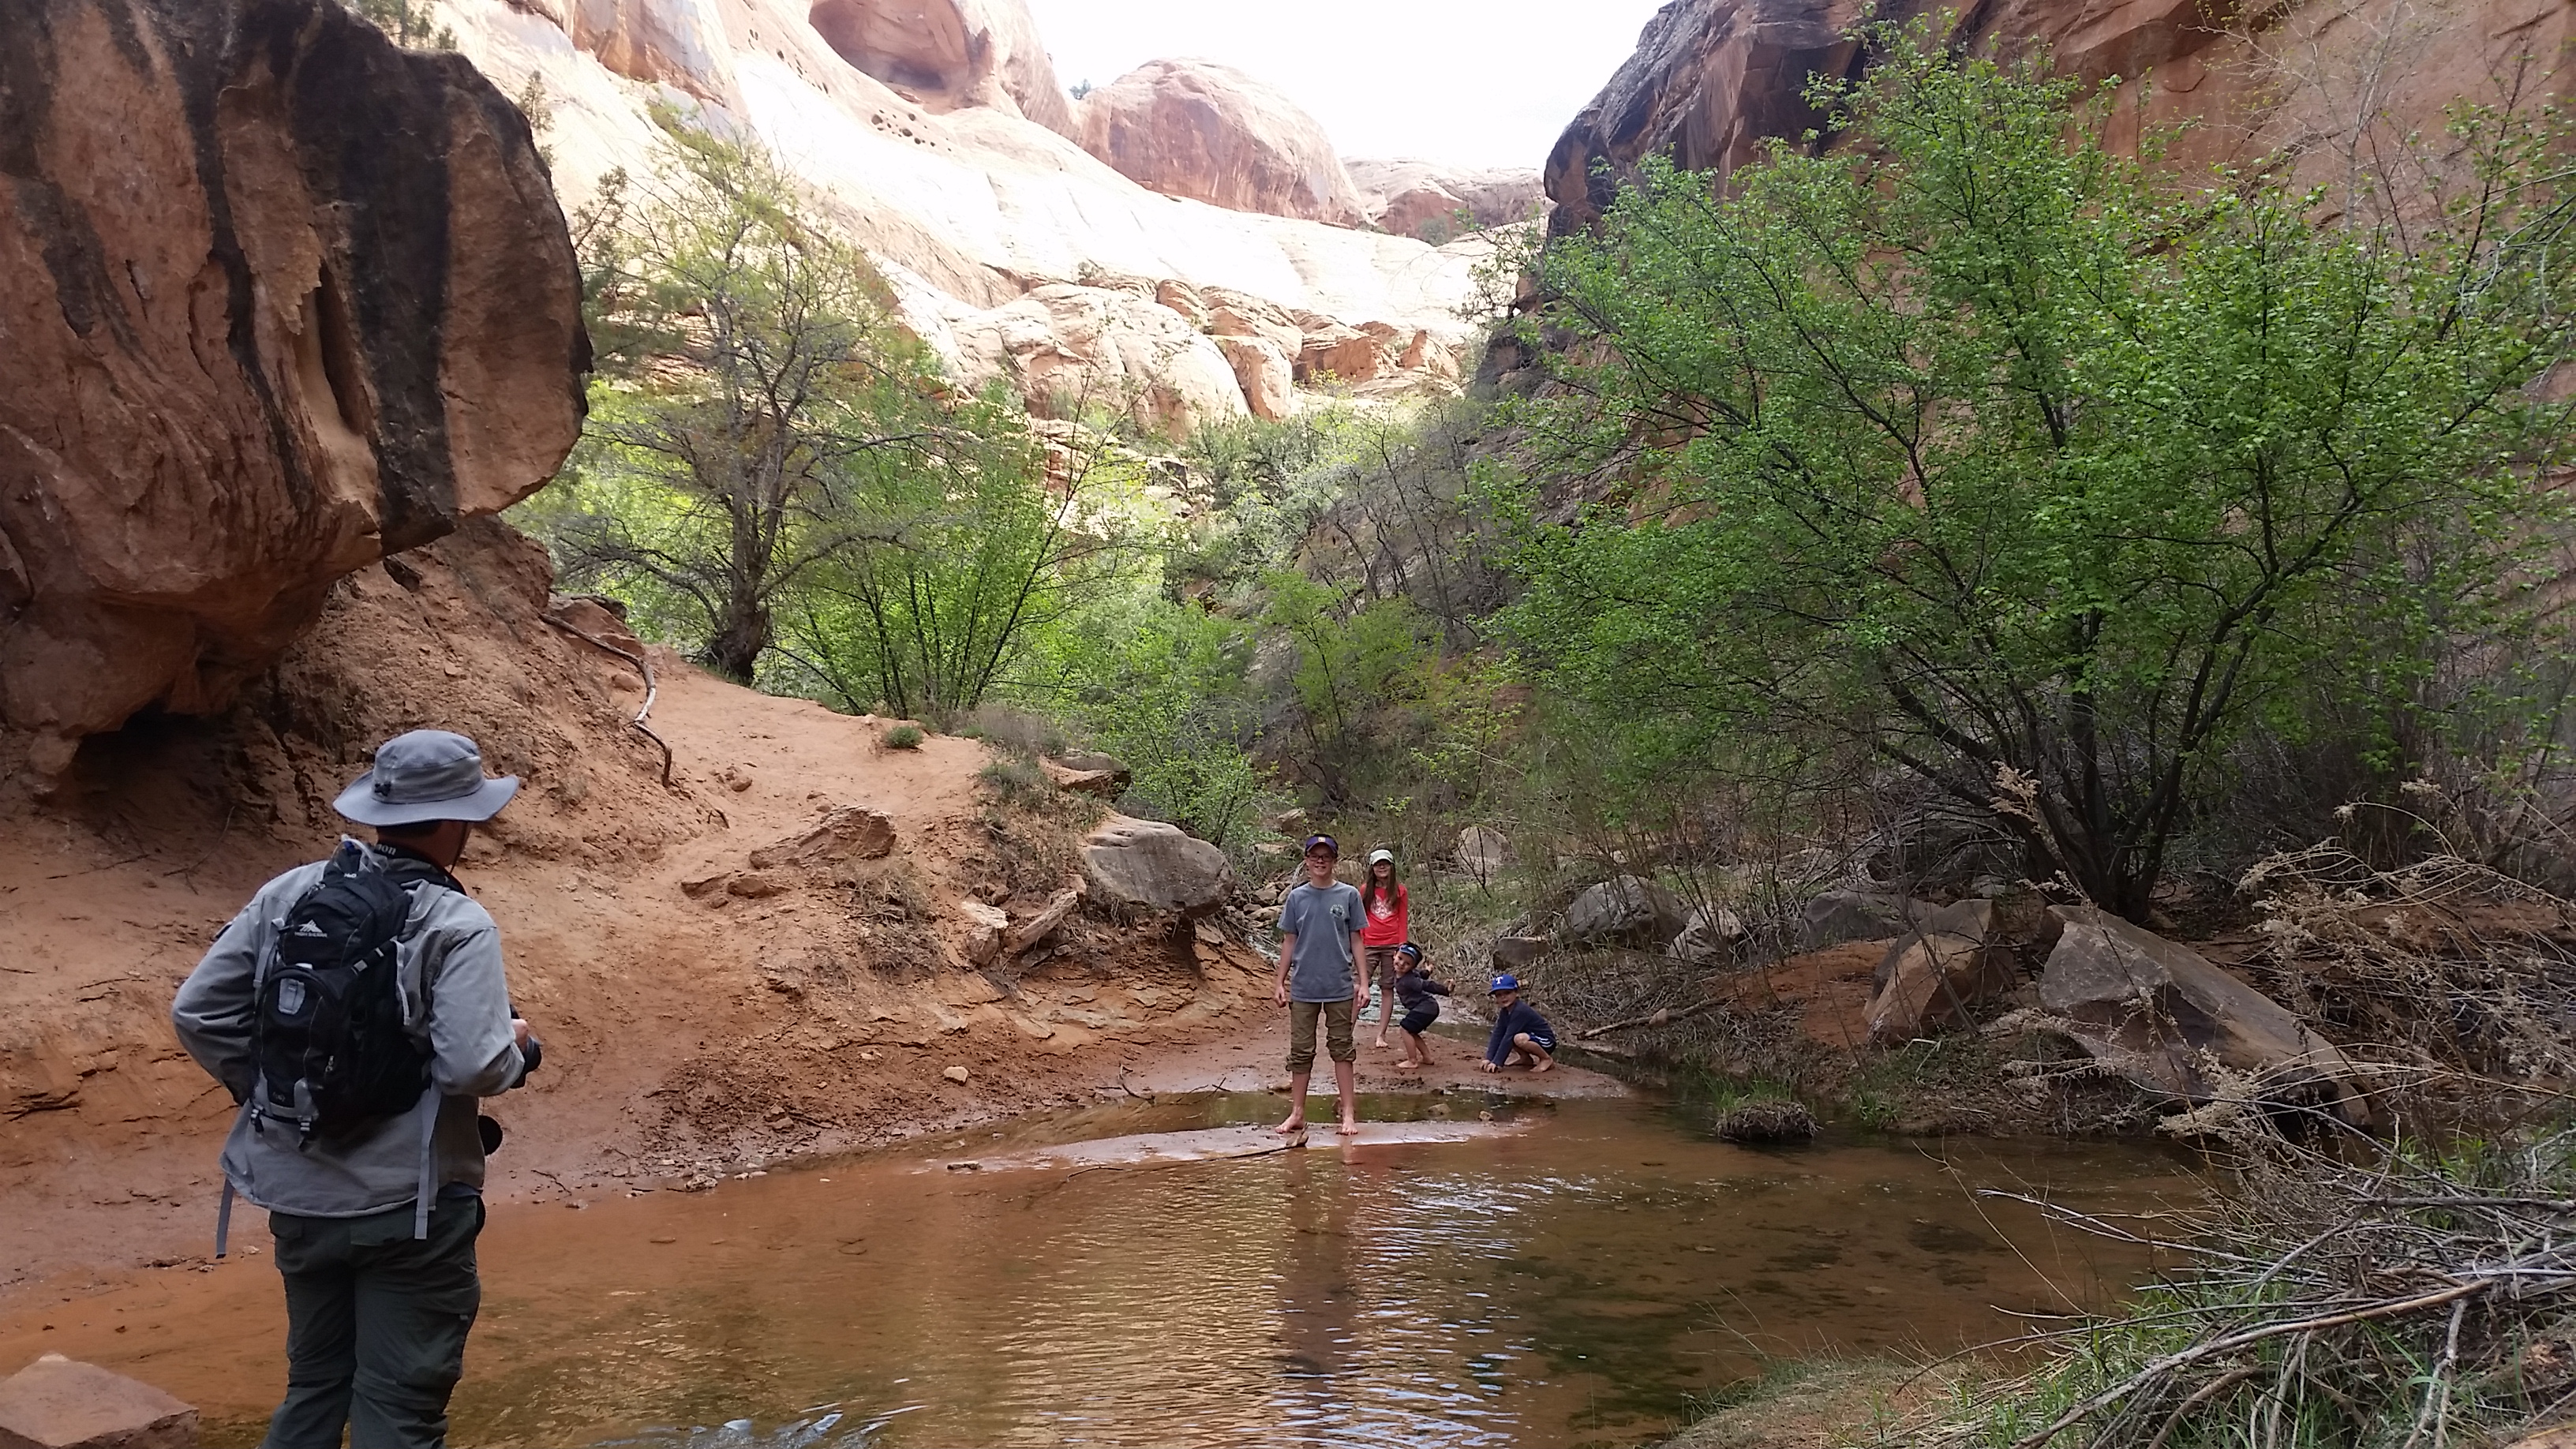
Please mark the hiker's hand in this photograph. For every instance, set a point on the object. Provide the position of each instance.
(1279, 994)
(519, 1031)
(1487, 1067)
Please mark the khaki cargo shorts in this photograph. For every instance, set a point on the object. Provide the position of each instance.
(1301, 1032)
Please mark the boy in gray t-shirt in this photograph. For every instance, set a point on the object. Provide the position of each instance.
(1319, 950)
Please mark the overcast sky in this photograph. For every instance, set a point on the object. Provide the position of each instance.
(1472, 82)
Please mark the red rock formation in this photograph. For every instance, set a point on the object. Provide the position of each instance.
(1712, 79)
(945, 55)
(678, 43)
(279, 299)
(1435, 203)
(1211, 133)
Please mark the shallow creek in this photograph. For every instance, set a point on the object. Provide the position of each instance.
(1560, 1273)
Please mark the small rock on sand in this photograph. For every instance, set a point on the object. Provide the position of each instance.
(958, 1074)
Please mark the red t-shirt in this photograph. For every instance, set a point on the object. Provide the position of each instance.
(1385, 925)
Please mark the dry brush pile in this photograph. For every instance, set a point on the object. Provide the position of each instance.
(2371, 1299)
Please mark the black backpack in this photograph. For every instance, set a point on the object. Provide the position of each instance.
(327, 1034)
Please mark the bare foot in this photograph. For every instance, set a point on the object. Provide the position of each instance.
(1380, 1043)
(1543, 1064)
(1409, 1064)
(1350, 1127)
(1295, 1124)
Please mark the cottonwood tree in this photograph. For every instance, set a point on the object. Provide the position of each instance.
(1967, 442)
(966, 553)
(762, 383)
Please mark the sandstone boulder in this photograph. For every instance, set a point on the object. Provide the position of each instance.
(985, 928)
(2170, 1021)
(1483, 851)
(1146, 867)
(57, 1403)
(1104, 784)
(1211, 133)
(1516, 953)
(845, 833)
(1241, 314)
(1624, 908)
(1438, 203)
(1064, 345)
(1843, 914)
(1184, 299)
(1934, 978)
(1099, 761)
(1711, 934)
(944, 55)
(1267, 375)
(1343, 354)
(278, 299)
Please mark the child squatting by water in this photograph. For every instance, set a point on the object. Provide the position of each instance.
(1421, 997)
(1521, 1036)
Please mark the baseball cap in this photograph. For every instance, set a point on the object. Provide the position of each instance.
(1381, 854)
(1505, 982)
(1323, 842)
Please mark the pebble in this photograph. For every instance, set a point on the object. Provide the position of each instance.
(958, 1074)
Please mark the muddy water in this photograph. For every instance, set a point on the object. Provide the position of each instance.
(1571, 1276)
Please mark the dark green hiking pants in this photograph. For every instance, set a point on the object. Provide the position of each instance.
(375, 1325)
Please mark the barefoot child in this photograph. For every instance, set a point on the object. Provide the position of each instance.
(1319, 977)
(1385, 930)
(1421, 997)
(1520, 1033)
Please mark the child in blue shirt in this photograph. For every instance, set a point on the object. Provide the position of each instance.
(1521, 1035)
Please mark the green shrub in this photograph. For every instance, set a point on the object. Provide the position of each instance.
(903, 737)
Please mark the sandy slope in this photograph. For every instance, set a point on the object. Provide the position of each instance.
(685, 1034)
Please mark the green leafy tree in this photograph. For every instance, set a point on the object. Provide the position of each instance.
(1964, 442)
(965, 554)
(1361, 675)
(754, 383)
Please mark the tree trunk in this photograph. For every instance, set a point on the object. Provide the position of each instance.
(737, 646)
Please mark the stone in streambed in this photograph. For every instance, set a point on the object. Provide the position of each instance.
(2169, 1021)
(1937, 976)
(56, 1403)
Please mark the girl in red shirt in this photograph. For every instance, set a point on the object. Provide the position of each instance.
(1383, 929)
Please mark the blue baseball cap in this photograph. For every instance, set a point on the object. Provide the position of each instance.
(1505, 982)
(1322, 842)
(1409, 949)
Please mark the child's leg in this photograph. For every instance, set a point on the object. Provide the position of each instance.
(1417, 1053)
(1540, 1058)
(1338, 1044)
(1301, 1062)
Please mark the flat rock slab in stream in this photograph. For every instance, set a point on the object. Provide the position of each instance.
(56, 1403)
(1218, 1144)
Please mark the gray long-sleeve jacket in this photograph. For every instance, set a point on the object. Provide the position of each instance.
(455, 1002)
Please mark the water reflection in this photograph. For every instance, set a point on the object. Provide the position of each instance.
(1571, 1284)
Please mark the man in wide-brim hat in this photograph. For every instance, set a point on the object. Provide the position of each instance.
(357, 1010)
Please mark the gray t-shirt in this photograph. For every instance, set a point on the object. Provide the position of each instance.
(1322, 921)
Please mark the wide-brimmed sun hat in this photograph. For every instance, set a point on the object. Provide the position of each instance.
(1322, 842)
(1505, 982)
(1377, 855)
(423, 776)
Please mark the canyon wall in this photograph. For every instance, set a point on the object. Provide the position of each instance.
(277, 299)
(935, 134)
(2322, 82)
